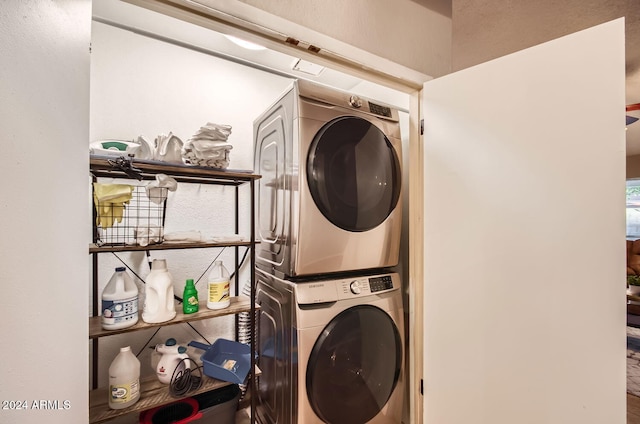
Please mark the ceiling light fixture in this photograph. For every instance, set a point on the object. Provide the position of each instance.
(301, 65)
(244, 44)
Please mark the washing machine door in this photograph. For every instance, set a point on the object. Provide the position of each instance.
(353, 173)
(354, 366)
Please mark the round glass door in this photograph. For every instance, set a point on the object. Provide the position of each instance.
(354, 366)
(353, 173)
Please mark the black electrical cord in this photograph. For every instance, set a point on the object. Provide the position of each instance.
(185, 378)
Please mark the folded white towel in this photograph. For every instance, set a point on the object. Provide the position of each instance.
(208, 146)
(183, 237)
(228, 238)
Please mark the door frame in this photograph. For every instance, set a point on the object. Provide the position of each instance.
(239, 19)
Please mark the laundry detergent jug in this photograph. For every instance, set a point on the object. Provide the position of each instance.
(158, 304)
(119, 301)
(173, 360)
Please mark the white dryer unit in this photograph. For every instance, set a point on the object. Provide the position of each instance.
(328, 199)
(330, 351)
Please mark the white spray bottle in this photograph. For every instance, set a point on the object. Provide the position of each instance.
(171, 360)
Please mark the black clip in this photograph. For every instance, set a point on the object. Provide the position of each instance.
(125, 165)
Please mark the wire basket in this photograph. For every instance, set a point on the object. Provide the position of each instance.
(138, 221)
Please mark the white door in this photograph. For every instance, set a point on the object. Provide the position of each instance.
(524, 288)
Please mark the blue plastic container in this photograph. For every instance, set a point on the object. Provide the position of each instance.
(225, 360)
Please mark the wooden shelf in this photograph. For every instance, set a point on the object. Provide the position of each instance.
(238, 304)
(153, 394)
(101, 167)
(93, 248)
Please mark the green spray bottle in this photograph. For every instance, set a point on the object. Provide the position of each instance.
(190, 298)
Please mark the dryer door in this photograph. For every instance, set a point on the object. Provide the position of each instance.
(353, 173)
(354, 366)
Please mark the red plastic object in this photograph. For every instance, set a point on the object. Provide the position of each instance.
(180, 412)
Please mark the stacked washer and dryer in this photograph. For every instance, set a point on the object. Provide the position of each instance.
(331, 335)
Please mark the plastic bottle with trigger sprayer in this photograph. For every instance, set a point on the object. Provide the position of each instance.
(158, 304)
(173, 360)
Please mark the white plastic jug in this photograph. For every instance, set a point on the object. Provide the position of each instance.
(119, 301)
(218, 287)
(158, 303)
(124, 379)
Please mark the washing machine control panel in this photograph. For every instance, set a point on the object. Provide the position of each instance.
(365, 286)
(314, 292)
(380, 283)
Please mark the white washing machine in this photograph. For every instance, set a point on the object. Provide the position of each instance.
(328, 199)
(330, 351)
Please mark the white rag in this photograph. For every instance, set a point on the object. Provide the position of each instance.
(154, 188)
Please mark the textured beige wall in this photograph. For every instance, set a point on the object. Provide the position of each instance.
(487, 29)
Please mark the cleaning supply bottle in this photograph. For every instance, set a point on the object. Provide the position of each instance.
(173, 360)
(218, 287)
(124, 379)
(119, 301)
(190, 298)
(158, 303)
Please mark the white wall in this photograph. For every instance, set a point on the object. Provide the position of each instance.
(44, 127)
(141, 86)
